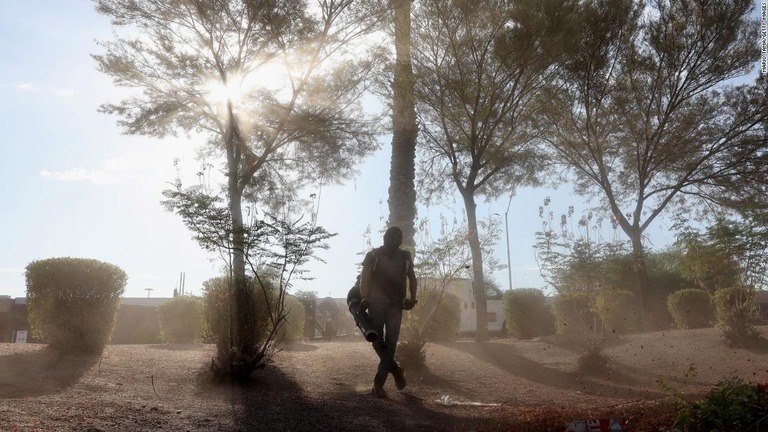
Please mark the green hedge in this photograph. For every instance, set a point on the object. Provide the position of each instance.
(73, 302)
(181, 319)
(691, 308)
(617, 311)
(136, 325)
(526, 313)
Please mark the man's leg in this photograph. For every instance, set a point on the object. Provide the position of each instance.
(377, 313)
(393, 323)
(385, 347)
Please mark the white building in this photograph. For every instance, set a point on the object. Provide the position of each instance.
(462, 289)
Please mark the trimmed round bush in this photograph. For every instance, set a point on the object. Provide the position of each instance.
(573, 314)
(691, 308)
(526, 313)
(737, 313)
(73, 302)
(617, 310)
(181, 319)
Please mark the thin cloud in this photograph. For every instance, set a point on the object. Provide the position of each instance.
(95, 176)
(26, 87)
(150, 168)
(10, 270)
(64, 92)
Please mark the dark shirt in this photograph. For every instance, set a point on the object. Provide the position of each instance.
(388, 275)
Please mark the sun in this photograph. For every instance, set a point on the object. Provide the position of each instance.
(218, 92)
(272, 77)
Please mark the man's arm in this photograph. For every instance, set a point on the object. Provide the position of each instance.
(412, 281)
(412, 284)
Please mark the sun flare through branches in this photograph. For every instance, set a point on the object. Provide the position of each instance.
(241, 88)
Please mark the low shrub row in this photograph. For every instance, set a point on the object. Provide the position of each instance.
(74, 304)
(610, 312)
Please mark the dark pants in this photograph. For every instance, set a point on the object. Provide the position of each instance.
(385, 319)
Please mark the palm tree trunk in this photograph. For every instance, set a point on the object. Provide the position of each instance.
(402, 193)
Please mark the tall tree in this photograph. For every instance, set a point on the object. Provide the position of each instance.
(478, 69)
(209, 67)
(642, 113)
(402, 192)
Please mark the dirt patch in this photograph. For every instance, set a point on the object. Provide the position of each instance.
(522, 386)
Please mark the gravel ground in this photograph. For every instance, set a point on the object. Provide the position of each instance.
(503, 385)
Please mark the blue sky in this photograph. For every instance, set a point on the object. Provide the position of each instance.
(72, 185)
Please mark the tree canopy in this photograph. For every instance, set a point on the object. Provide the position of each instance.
(478, 69)
(646, 114)
(274, 86)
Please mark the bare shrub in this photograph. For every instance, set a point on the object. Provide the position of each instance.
(435, 318)
(617, 311)
(293, 328)
(737, 314)
(218, 313)
(592, 359)
(574, 316)
(411, 354)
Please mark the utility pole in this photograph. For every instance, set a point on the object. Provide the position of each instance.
(148, 291)
(506, 226)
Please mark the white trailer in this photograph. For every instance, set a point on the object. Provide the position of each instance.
(462, 289)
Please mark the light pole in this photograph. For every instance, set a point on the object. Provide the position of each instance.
(506, 226)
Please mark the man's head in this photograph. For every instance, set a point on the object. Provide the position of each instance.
(393, 238)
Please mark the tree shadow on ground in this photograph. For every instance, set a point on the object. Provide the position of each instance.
(41, 372)
(273, 401)
(612, 382)
(177, 346)
(298, 347)
(755, 345)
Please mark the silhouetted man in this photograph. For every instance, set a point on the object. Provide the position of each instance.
(383, 289)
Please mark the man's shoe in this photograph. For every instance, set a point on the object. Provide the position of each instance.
(378, 391)
(399, 378)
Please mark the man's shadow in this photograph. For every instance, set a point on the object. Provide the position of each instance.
(273, 400)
